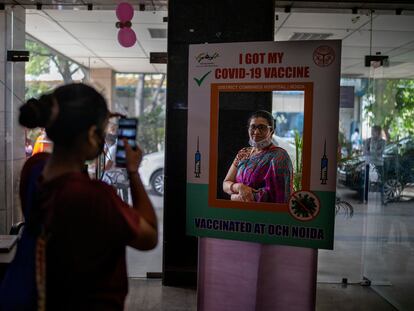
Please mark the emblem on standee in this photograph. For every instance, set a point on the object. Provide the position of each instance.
(304, 205)
(205, 58)
(323, 56)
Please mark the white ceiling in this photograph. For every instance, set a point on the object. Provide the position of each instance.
(90, 38)
(392, 35)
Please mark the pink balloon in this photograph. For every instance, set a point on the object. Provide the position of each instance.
(124, 11)
(127, 37)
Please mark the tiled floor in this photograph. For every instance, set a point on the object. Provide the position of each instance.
(331, 297)
(377, 242)
(150, 295)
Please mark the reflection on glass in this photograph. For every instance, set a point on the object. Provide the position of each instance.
(288, 110)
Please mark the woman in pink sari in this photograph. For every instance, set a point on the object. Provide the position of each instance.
(262, 172)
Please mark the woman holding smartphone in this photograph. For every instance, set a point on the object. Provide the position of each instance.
(76, 228)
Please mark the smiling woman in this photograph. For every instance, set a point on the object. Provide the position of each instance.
(261, 172)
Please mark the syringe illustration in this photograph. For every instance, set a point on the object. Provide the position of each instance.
(197, 160)
(324, 166)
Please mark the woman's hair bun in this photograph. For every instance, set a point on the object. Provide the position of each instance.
(36, 113)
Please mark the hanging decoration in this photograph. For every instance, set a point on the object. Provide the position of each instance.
(127, 37)
(125, 13)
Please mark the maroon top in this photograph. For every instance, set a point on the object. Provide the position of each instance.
(89, 227)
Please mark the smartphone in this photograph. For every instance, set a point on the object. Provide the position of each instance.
(127, 128)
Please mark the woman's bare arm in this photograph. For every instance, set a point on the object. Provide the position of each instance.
(230, 180)
(147, 237)
(237, 191)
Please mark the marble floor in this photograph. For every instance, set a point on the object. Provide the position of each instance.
(150, 295)
(377, 242)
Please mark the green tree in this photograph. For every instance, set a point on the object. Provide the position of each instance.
(143, 95)
(152, 112)
(404, 104)
(36, 89)
(391, 105)
(41, 57)
(39, 62)
(151, 129)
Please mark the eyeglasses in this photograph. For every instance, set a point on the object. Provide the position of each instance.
(261, 127)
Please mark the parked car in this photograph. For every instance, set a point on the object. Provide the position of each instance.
(398, 170)
(152, 172)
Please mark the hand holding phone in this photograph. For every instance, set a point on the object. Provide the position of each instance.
(133, 157)
(127, 132)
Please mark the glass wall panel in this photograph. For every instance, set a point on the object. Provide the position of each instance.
(344, 263)
(373, 235)
(11, 133)
(375, 193)
(389, 104)
(70, 45)
(142, 96)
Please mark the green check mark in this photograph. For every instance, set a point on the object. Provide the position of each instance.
(199, 81)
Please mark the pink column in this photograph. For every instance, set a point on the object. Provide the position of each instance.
(245, 276)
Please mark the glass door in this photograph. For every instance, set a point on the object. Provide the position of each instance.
(388, 120)
(142, 96)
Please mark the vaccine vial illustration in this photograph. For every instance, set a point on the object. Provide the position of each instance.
(197, 160)
(324, 166)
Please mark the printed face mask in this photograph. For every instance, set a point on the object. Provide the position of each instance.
(264, 143)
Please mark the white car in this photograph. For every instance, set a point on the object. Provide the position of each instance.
(151, 171)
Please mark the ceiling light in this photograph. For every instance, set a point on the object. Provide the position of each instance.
(355, 19)
(158, 33)
(309, 36)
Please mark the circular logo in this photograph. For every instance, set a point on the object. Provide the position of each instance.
(323, 56)
(304, 205)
